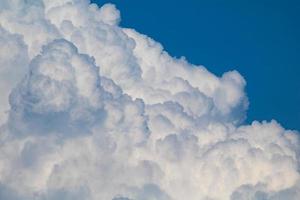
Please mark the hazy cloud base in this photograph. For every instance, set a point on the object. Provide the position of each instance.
(90, 110)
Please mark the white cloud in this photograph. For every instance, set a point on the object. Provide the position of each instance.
(97, 111)
(13, 66)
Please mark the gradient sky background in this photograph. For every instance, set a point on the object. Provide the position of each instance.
(259, 38)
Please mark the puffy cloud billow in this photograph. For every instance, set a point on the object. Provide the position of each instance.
(90, 110)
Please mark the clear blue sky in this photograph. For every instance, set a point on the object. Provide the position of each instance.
(259, 38)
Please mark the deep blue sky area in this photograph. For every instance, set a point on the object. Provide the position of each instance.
(258, 38)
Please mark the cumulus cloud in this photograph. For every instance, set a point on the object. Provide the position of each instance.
(90, 110)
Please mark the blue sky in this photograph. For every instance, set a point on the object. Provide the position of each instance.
(258, 38)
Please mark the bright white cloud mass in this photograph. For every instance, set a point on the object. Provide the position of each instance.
(93, 111)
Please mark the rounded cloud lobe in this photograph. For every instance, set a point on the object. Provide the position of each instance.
(91, 110)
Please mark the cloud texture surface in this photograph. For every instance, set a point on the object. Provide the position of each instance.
(90, 110)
